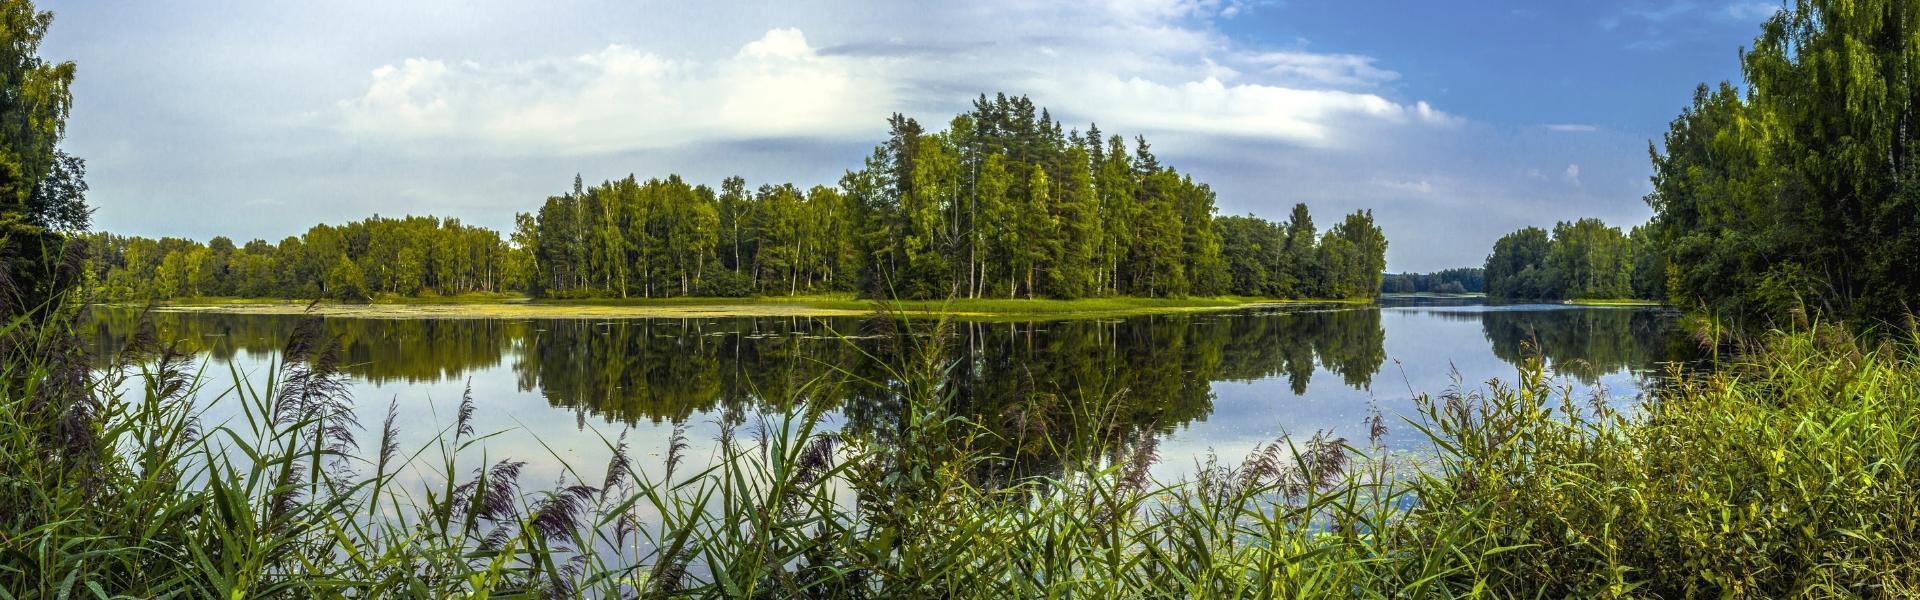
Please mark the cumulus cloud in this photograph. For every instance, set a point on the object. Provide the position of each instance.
(1139, 66)
(619, 98)
(1573, 174)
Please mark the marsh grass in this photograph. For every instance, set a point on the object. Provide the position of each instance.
(1786, 472)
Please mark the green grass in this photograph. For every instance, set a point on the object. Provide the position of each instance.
(799, 299)
(1788, 471)
(383, 299)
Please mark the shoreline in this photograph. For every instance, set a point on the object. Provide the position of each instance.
(710, 308)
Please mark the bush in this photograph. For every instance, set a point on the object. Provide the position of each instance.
(1788, 473)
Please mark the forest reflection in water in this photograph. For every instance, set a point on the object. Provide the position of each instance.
(1203, 382)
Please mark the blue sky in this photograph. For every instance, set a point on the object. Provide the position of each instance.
(1454, 122)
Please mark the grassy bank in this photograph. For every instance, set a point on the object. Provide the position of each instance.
(816, 305)
(1788, 472)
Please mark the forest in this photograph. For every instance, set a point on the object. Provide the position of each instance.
(1465, 280)
(1793, 191)
(1001, 204)
(1768, 202)
(411, 256)
(1583, 259)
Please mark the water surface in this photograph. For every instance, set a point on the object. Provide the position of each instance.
(1222, 383)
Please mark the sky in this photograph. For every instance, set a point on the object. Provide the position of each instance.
(1455, 122)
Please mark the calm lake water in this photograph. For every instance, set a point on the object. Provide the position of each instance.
(559, 391)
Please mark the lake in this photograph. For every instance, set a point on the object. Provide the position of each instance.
(558, 392)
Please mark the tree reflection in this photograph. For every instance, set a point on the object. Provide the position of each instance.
(1586, 344)
(1044, 391)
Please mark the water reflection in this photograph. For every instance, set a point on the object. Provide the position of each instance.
(1033, 385)
(1581, 343)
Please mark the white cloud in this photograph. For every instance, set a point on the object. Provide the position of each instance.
(1418, 187)
(1573, 174)
(1141, 66)
(619, 98)
(1326, 69)
(1751, 11)
(1571, 128)
(1212, 107)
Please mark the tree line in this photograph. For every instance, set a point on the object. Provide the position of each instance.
(1796, 191)
(1002, 203)
(1802, 190)
(1578, 259)
(409, 256)
(1464, 280)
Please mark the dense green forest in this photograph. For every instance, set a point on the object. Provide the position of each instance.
(1795, 191)
(1580, 259)
(1465, 280)
(1002, 203)
(408, 256)
(1800, 190)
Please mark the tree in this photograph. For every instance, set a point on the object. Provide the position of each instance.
(1300, 273)
(1518, 266)
(1250, 247)
(1037, 239)
(1574, 258)
(1003, 197)
(1799, 194)
(345, 281)
(41, 189)
(1200, 243)
(1361, 257)
(1077, 215)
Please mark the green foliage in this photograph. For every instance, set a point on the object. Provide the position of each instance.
(409, 256)
(42, 190)
(1799, 192)
(1580, 260)
(1353, 257)
(1466, 280)
(1002, 203)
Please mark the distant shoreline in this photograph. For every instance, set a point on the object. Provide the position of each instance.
(839, 305)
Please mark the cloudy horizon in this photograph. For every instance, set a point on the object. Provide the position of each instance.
(1453, 124)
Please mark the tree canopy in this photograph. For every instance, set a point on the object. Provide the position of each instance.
(409, 256)
(42, 189)
(1578, 259)
(1002, 203)
(1800, 193)
(1466, 280)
